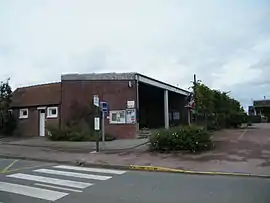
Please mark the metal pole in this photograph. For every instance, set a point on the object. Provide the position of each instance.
(96, 120)
(103, 126)
(137, 106)
(103, 129)
(97, 133)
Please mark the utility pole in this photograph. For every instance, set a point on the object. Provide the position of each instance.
(189, 111)
(194, 94)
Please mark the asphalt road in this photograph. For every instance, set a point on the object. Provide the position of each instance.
(35, 182)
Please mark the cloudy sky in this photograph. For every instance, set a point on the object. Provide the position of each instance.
(225, 42)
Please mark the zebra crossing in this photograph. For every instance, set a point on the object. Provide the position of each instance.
(55, 182)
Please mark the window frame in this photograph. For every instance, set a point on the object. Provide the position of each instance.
(119, 112)
(21, 116)
(49, 110)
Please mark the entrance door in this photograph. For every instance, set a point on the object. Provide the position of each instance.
(42, 122)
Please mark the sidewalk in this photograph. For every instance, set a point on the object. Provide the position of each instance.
(125, 159)
(81, 147)
(237, 150)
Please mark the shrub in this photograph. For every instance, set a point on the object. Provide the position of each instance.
(67, 134)
(108, 137)
(8, 123)
(74, 133)
(57, 134)
(188, 138)
(254, 119)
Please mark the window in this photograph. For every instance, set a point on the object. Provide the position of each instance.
(52, 112)
(118, 117)
(23, 113)
(176, 115)
(10, 111)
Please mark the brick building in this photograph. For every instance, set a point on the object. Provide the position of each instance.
(134, 101)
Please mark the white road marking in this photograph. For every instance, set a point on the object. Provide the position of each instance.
(98, 170)
(242, 134)
(56, 187)
(31, 191)
(55, 181)
(77, 175)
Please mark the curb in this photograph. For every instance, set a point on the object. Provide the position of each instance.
(172, 170)
(139, 167)
(77, 162)
(78, 150)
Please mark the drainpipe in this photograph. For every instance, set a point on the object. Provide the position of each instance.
(137, 104)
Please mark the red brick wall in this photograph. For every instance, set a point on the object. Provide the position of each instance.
(115, 92)
(29, 127)
(52, 121)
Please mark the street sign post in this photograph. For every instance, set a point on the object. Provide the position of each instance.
(96, 100)
(104, 110)
(96, 120)
(97, 124)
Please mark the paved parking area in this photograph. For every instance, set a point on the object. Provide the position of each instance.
(237, 150)
(244, 144)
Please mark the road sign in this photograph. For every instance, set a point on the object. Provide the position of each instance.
(96, 100)
(96, 124)
(104, 106)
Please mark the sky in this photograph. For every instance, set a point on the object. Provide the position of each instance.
(226, 43)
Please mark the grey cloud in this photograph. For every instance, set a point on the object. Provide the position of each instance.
(221, 41)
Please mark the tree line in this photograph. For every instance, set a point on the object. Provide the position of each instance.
(216, 109)
(7, 120)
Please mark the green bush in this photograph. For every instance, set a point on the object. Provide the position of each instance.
(188, 138)
(222, 120)
(77, 126)
(57, 134)
(74, 133)
(254, 119)
(8, 123)
(235, 120)
(108, 137)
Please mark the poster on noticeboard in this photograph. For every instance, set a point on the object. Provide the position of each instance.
(130, 116)
(117, 117)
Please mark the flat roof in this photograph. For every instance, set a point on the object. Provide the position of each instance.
(125, 76)
(261, 103)
(262, 100)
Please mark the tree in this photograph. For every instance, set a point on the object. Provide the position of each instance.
(7, 121)
(216, 108)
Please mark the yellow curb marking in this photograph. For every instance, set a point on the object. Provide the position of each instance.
(9, 166)
(25, 168)
(162, 169)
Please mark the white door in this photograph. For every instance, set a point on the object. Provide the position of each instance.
(42, 123)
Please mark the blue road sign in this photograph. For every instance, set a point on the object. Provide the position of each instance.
(104, 106)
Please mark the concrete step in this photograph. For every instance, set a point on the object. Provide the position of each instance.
(144, 133)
